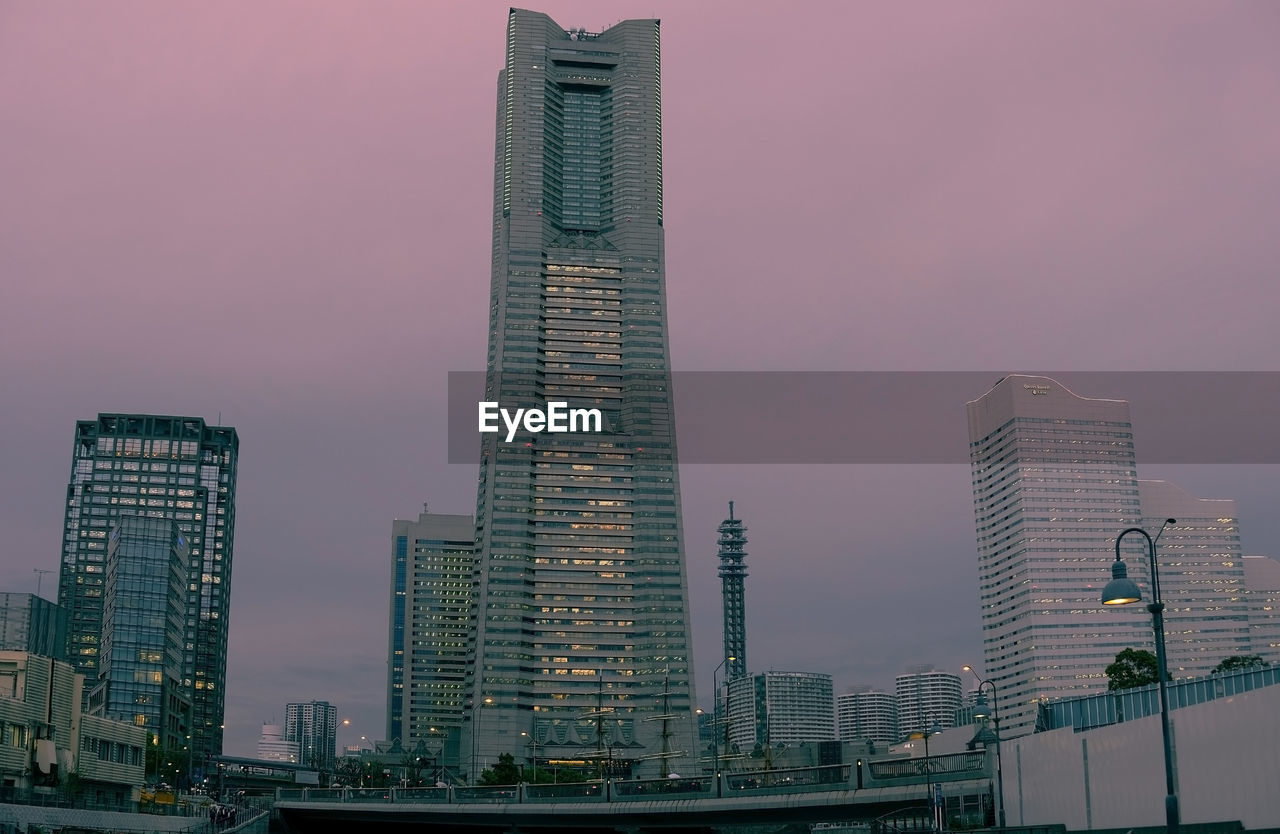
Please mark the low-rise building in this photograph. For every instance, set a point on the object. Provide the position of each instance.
(47, 745)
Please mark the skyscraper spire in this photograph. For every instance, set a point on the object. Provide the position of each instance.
(733, 573)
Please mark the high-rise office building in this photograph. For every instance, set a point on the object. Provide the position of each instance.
(29, 623)
(143, 630)
(927, 698)
(313, 726)
(1262, 580)
(431, 562)
(733, 575)
(1054, 481)
(177, 468)
(580, 607)
(1202, 578)
(772, 708)
(866, 714)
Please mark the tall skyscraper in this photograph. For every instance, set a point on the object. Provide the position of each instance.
(313, 726)
(431, 562)
(927, 698)
(733, 575)
(177, 468)
(1054, 481)
(580, 606)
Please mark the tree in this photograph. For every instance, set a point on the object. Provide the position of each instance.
(1133, 667)
(1240, 661)
(505, 772)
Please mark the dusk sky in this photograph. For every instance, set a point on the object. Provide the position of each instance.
(281, 214)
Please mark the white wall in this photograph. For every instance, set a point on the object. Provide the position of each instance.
(1228, 768)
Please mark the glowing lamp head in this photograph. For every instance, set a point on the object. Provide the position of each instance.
(1121, 590)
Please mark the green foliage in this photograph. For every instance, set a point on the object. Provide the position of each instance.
(1240, 661)
(505, 772)
(361, 773)
(1133, 667)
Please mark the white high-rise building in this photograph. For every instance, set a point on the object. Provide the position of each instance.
(1202, 579)
(1262, 578)
(1054, 482)
(780, 708)
(927, 698)
(866, 714)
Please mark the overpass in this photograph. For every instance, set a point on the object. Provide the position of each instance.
(858, 792)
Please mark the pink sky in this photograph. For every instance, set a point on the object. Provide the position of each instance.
(280, 213)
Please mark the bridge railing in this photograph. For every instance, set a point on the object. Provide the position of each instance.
(777, 781)
(661, 788)
(419, 795)
(487, 793)
(567, 792)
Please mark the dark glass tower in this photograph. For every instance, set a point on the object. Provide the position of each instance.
(581, 644)
(176, 468)
(143, 622)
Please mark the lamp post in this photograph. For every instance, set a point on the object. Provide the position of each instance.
(928, 776)
(1122, 590)
(979, 712)
(715, 719)
(475, 732)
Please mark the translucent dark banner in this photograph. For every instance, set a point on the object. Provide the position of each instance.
(894, 416)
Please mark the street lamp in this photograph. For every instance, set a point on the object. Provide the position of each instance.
(979, 711)
(475, 732)
(1122, 590)
(715, 718)
(928, 775)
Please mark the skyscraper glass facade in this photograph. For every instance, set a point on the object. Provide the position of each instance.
(580, 604)
(143, 629)
(177, 468)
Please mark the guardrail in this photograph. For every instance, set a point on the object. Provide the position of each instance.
(866, 773)
(788, 780)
